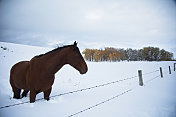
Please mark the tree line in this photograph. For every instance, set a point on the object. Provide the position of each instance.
(120, 54)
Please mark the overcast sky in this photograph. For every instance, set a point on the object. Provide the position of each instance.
(93, 23)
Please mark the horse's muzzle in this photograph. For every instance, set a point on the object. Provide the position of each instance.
(84, 70)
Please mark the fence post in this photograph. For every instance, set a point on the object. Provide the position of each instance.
(169, 70)
(140, 77)
(161, 72)
(174, 66)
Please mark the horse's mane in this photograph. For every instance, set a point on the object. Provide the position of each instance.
(54, 50)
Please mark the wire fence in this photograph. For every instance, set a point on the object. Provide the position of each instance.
(100, 103)
(93, 87)
(152, 79)
(150, 72)
(75, 91)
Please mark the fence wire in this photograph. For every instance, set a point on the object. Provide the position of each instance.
(152, 79)
(165, 67)
(71, 92)
(150, 72)
(14, 104)
(93, 87)
(79, 112)
(100, 103)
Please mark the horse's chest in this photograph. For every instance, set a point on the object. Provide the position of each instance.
(41, 83)
(45, 84)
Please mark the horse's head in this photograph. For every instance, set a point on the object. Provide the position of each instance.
(76, 60)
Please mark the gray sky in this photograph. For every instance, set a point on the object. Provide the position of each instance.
(93, 23)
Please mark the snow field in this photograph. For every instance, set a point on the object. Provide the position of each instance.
(157, 98)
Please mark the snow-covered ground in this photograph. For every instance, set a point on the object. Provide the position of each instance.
(157, 98)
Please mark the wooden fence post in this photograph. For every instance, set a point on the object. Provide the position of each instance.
(140, 77)
(161, 72)
(174, 66)
(169, 70)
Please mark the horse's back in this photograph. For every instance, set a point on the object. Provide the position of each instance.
(18, 74)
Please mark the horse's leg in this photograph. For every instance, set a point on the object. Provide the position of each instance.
(47, 94)
(32, 96)
(16, 92)
(24, 94)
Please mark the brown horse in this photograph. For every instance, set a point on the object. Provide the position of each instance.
(38, 74)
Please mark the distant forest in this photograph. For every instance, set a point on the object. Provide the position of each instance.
(119, 54)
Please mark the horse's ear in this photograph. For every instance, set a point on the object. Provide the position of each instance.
(75, 44)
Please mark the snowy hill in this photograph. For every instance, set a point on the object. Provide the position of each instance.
(157, 98)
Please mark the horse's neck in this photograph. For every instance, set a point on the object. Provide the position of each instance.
(56, 60)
